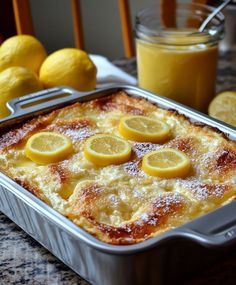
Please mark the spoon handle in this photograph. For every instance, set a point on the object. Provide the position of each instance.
(213, 14)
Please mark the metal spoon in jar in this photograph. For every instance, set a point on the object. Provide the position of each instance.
(213, 14)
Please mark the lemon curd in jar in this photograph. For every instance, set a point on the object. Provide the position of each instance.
(173, 58)
(182, 71)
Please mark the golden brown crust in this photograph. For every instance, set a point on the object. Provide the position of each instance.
(123, 103)
(225, 160)
(60, 172)
(120, 204)
(18, 134)
(33, 189)
(76, 129)
(160, 210)
(186, 144)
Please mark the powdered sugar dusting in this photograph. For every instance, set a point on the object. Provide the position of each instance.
(75, 129)
(203, 191)
(17, 134)
(133, 168)
(163, 207)
(144, 217)
(140, 149)
(221, 161)
(207, 157)
(167, 201)
(185, 144)
(90, 193)
(79, 134)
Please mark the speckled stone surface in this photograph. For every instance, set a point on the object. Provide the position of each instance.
(24, 261)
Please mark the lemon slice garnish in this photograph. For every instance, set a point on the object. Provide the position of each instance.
(105, 149)
(143, 129)
(166, 163)
(48, 147)
(223, 107)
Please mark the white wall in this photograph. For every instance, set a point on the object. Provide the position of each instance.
(53, 24)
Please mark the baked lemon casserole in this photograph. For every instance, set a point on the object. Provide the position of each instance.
(121, 167)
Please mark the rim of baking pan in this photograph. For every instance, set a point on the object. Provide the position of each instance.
(187, 231)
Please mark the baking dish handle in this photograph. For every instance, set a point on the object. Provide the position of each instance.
(42, 99)
(215, 229)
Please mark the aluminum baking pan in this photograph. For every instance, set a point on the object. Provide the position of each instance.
(155, 261)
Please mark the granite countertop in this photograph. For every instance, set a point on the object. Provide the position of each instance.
(25, 261)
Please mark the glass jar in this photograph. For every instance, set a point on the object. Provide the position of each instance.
(173, 58)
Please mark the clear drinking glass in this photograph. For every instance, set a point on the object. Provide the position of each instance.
(173, 58)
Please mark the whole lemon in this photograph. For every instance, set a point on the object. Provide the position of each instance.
(14, 82)
(22, 50)
(71, 67)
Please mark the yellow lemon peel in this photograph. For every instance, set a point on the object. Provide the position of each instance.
(48, 147)
(105, 149)
(166, 163)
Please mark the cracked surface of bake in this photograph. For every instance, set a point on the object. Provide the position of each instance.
(120, 204)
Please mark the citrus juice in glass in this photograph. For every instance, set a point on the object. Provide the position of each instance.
(178, 62)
